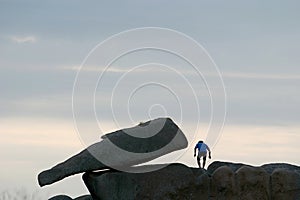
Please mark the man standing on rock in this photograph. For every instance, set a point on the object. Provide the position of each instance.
(202, 152)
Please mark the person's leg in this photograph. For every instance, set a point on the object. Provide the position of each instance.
(204, 160)
(198, 161)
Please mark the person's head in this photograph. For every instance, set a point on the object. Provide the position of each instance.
(200, 141)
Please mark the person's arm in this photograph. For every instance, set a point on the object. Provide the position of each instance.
(209, 155)
(195, 149)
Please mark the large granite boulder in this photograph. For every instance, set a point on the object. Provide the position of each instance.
(175, 181)
(121, 149)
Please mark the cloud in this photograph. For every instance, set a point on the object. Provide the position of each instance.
(157, 68)
(111, 69)
(93, 69)
(260, 76)
(23, 39)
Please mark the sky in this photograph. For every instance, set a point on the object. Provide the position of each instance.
(255, 46)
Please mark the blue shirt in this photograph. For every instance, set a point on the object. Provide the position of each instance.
(202, 147)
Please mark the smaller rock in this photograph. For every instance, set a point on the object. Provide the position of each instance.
(223, 184)
(285, 184)
(253, 183)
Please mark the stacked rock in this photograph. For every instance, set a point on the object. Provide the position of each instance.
(121, 150)
(222, 180)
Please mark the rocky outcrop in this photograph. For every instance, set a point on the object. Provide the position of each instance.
(121, 149)
(178, 181)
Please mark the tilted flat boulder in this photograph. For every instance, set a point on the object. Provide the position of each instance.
(121, 149)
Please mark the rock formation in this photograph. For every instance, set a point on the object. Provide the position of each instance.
(178, 181)
(121, 149)
(125, 149)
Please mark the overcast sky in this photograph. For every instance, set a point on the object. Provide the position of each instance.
(255, 45)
